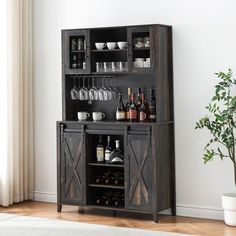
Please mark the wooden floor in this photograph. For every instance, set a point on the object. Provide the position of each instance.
(167, 223)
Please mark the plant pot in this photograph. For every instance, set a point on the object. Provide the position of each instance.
(229, 206)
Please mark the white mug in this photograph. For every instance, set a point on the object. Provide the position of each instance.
(98, 116)
(82, 115)
(122, 45)
(111, 45)
(100, 46)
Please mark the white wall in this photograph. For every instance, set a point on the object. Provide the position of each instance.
(204, 37)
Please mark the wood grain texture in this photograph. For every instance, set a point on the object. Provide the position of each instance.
(177, 224)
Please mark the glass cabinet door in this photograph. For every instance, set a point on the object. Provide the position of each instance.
(76, 52)
(141, 48)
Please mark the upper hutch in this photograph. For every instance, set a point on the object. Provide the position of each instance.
(149, 162)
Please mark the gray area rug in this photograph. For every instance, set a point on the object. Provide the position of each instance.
(15, 225)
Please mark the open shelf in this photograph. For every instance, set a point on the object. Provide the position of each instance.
(106, 186)
(141, 49)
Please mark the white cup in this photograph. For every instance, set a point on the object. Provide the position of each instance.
(122, 45)
(98, 116)
(82, 115)
(111, 45)
(100, 46)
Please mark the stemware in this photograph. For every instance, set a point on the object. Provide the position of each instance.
(93, 91)
(83, 92)
(74, 91)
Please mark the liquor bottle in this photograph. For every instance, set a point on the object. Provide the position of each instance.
(120, 111)
(80, 61)
(143, 110)
(100, 150)
(74, 62)
(132, 109)
(117, 154)
(128, 104)
(152, 107)
(108, 150)
(139, 99)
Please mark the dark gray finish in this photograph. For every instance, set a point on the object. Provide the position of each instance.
(149, 154)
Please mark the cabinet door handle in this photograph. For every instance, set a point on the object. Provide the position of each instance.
(62, 133)
(149, 136)
(126, 135)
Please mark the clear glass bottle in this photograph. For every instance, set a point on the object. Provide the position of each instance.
(74, 62)
(108, 150)
(117, 155)
(100, 150)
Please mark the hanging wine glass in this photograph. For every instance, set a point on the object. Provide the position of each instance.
(114, 91)
(100, 92)
(92, 91)
(83, 93)
(109, 89)
(105, 91)
(74, 91)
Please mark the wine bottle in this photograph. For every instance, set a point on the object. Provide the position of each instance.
(107, 198)
(127, 106)
(143, 110)
(117, 154)
(100, 150)
(120, 111)
(139, 99)
(99, 200)
(107, 177)
(108, 150)
(132, 109)
(152, 107)
(98, 179)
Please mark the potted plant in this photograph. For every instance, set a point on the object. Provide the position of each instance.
(221, 123)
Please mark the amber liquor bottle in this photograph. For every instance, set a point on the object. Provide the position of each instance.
(127, 106)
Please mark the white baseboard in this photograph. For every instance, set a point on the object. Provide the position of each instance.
(45, 197)
(181, 210)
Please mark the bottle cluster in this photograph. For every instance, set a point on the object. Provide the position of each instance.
(105, 154)
(138, 109)
(110, 198)
(110, 178)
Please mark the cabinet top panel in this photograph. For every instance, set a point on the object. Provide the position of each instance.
(114, 27)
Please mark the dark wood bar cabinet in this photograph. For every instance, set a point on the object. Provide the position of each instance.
(148, 171)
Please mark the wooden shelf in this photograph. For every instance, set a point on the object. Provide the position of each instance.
(106, 207)
(141, 49)
(106, 165)
(77, 51)
(106, 186)
(109, 50)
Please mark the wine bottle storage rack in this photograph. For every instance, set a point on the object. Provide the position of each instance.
(106, 186)
(107, 197)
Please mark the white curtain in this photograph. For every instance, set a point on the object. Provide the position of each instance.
(16, 179)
